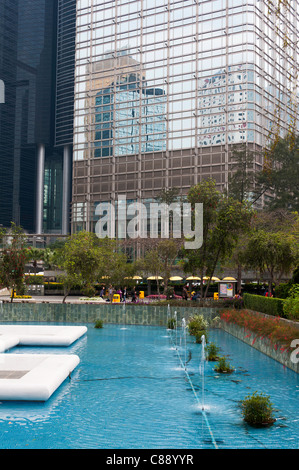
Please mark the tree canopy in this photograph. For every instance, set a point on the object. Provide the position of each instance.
(224, 220)
(13, 258)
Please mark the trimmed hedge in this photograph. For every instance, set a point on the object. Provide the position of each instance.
(268, 305)
(31, 280)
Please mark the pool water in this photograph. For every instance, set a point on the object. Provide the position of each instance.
(130, 391)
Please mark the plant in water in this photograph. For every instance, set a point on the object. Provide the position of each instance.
(257, 410)
(98, 324)
(223, 366)
(197, 324)
(212, 352)
(171, 323)
(198, 335)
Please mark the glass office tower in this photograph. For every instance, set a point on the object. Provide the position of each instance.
(27, 68)
(8, 53)
(37, 61)
(226, 71)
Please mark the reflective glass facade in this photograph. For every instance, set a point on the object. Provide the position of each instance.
(27, 67)
(65, 72)
(226, 71)
(8, 54)
(53, 189)
(226, 67)
(123, 112)
(37, 62)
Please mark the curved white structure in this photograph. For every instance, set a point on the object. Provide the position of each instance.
(33, 377)
(39, 335)
(8, 342)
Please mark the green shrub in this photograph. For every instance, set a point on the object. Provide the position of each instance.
(257, 410)
(197, 323)
(198, 335)
(291, 304)
(54, 286)
(223, 366)
(221, 303)
(171, 323)
(89, 291)
(282, 291)
(98, 324)
(37, 280)
(268, 305)
(212, 352)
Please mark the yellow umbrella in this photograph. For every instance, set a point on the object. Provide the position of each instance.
(175, 278)
(134, 277)
(193, 278)
(229, 279)
(154, 278)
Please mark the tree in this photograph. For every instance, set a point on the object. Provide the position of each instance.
(118, 269)
(49, 258)
(82, 259)
(35, 255)
(237, 259)
(242, 179)
(207, 194)
(86, 260)
(233, 221)
(272, 252)
(13, 258)
(167, 253)
(168, 196)
(224, 220)
(282, 178)
(151, 263)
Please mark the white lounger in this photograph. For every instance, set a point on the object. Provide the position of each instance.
(33, 377)
(39, 335)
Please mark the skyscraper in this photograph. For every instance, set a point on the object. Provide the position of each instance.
(27, 49)
(130, 97)
(228, 74)
(37, 52)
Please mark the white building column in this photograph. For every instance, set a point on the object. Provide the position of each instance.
(41, 152)
(66, 190)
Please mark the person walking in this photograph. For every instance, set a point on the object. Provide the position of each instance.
(124, 296)
(110, 293)
(185, 293)
(133, 295)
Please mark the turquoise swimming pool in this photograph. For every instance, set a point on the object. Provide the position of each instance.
(130, 391)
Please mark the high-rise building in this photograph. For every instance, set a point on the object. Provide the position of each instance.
(27, 68)
(37, 52)
(226, 72)
(130, 97)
